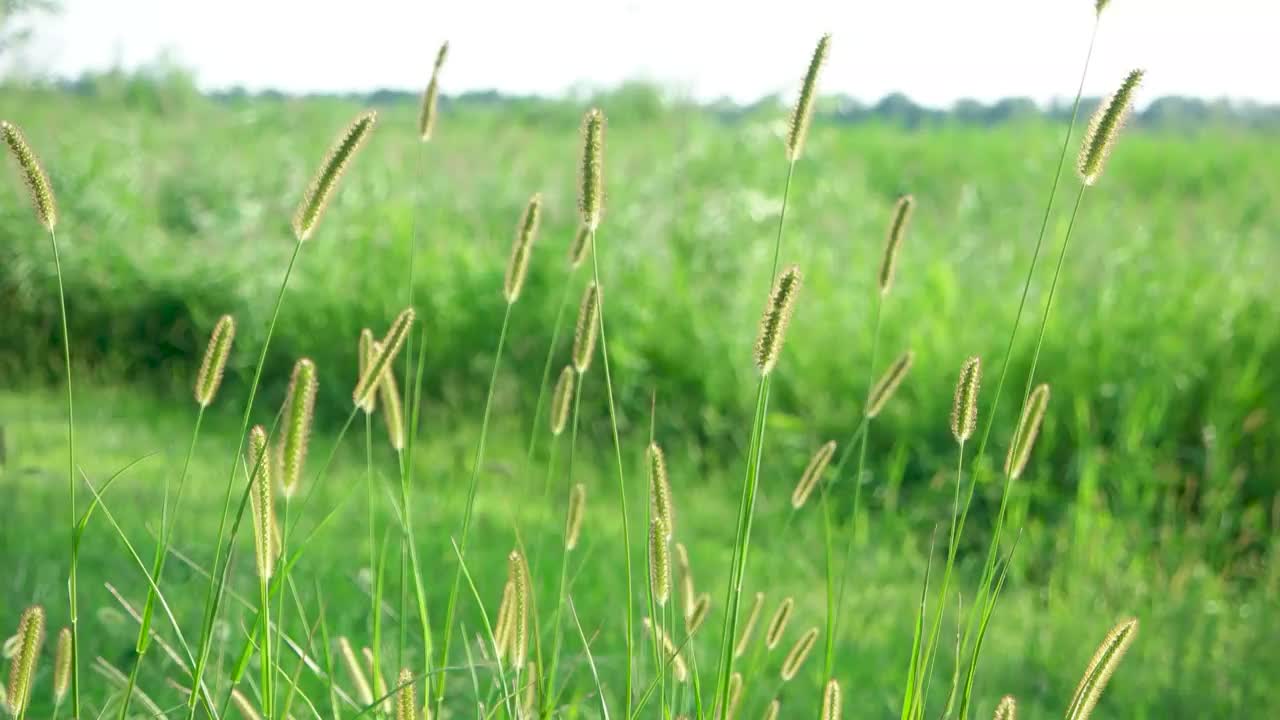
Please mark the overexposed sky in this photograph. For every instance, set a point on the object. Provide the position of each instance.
(935, 51)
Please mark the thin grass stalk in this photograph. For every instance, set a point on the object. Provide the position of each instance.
(548, 697)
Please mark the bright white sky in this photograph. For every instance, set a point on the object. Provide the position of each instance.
(935, 51)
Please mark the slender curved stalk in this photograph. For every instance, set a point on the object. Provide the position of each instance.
(548, 697)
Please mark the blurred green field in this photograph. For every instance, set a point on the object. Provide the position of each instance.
(1152, 491)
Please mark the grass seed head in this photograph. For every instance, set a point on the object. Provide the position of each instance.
(777, 315)
(799, 653)
(260, 497)
(431, 97)
(735, 697)
(244, 705)
(813, 474)
(687, 593)
(387, 350)
(529, 702)
(584, 335)
(406, 703)
(749, 626)
(299, 411)
(1024, 437)
(33, 175)
(365, 353)
(214, 365)
(773, 710)
(888, 383)
(1105, 125)
(579, 247)
(573, 519)
(831, 701)
(591, 174)
(897, 229)
(502, 627)
(519, 574)
(326, 180)
(392, 407)
(521, 249)
(364, 691)
(660, 487)
(1101, 667)
(1007, 709)
(670, 652)
(562, 400)
(62, 666)
(802, 115)
(964, 409)
(778, 624)
(698, 615)
(659, 561)
(22, 668)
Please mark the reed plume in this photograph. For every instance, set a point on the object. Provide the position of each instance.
(1007, 709)
(573, 520)
(831, 701)
(562, 400)
(331, 170)
(660, 488)
(1101, 667)
(364, 691)
(431, 97)
(698, 613)
(518, 573)
(964, 409)
(299, 410)
(778, 624)
(22, 668)
(749, 626)
(392, 407)
(406, 703)
(260, 497)
(33, 175)
(1105, 125)
(364, 354)
(588, 328)
(777, 315)
(214, 365)
(62, 666)
(521, 248)
(386, 352)
(897, 229)
(579, 247)
(678, 667)
(799, 653)
(659, 561)
(591, 174)
(802, 114)
(812, 474)
(888, 383)
(1024, 437)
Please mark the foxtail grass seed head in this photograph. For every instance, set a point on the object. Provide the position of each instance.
(22, 667)
(573, 520)
(777, 315)
(698, 615)
(406, 703)
(802, 115)
(831, 701)
(326, 180)
(518, 264)
(562, 400)
(1101, 667)
(591, 174)
(735, 696)
(888, 383)
(774, 710)
(386, 351)
(260, 497)
(62, 666)
(897, 229)
(529, 702)
(364, 691)
(584, 335)
(519, 649)
(799, 653)
(431, 97)
(748, 628)
(392, 408)
(813, 474)
(379, 683)
(244, 705)
(778, 624)
(502, 627)
(214, 365)
(964, 409)
(32, 174)
(670, 652)
(660, 487)
(1024, 438)
(687, 594)
(1007, 709)
(659, 561)
(579, 247)
(365, 352)
(299, 409)
(1105, 125)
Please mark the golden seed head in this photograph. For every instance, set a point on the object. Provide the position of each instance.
(831, 701)
(244, 705)
(897, 229)
(364, 691)
(326, 180)
(299, 410)
(584, 335)
(670, 651)
(214, 365)
(660, 488)
(964, 410)
(365, 352)
(888, 383)
(749, 626)
(579, 247)
(260, 499)
(406, 703)
(573, 519)
(62, 666)
(813, 474)
(519, 576)
(22, 668)
(1101, 667)
(562, 400)
(380, 361)
(659, 561)
(529, 702)
(430, 98)
(518, 264)
(1024, 437)
(778, 624)
(687, 593)
(591, 173)
(695, 618)
(799, 653)
(774, 709)
(33, 175)
(1007, 709)
(735, 697)
(1105, 125)
(392, 407)
(502, 627)
(777, 315)
(803, 112)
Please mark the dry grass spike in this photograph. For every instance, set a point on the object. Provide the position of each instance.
(431, 97)
(214, 364)
(579, 247)
(672, 653)
(33, 175)
(588, 328)
(660, 487)
(774, 710)
(245, 707)
(591, 174)
(799, 653)
(964, 408)
(260, 497)
(365, 353)
(831, 701)
(659, 561)
(62, 666)
(385, 353)
(562, 400)
(502, 626)
(748, 628)
(392, 407)
(299, 410)
(22, 668)
(573, 519)
(777, 315)
(802, 115)
(698, 614)
(1007, 709)
(812, 474)
(1024, 437)
(364, 691)
(1105, 125)
(778, 623)
(897, 229)
(1103, 664)
(521, 249)
(888, 383)
(326, 180)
